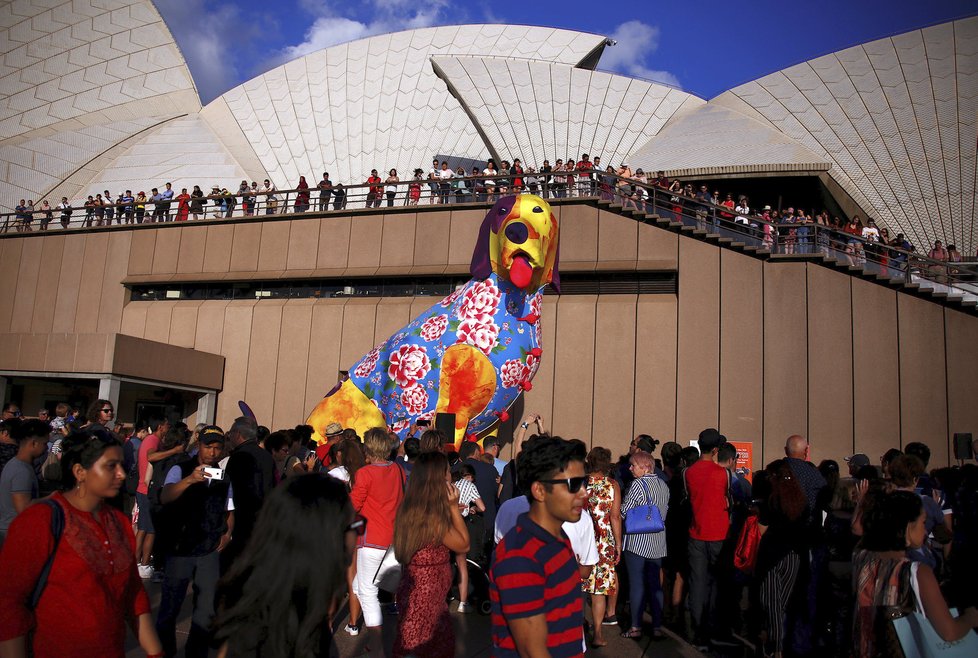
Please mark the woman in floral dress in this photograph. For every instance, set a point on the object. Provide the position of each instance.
(604, 502)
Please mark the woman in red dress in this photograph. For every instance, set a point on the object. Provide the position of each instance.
(183, 210)
(302, 195)
(429, 524)
(93, 590)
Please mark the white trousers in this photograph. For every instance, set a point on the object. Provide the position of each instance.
(368, 561)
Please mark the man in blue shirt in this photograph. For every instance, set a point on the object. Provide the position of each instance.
(167, 198)
(158, 209)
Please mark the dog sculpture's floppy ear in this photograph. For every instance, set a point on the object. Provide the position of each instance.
(481, 266)
(555, 273)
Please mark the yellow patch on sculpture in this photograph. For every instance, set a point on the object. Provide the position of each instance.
(349, 407)
(467, 384)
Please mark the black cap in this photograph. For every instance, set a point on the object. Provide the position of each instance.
(211, 434)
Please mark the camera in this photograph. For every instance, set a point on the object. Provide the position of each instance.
(214, 473)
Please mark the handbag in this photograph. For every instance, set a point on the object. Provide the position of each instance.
(388, 574)
(745, 553)
(918, 637)
(645, 518)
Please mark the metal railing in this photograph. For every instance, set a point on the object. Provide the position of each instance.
(800, 239)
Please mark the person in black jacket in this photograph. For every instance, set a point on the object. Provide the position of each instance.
(198, 517)
(251, 472)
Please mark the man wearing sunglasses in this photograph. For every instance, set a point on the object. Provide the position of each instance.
(537, 607)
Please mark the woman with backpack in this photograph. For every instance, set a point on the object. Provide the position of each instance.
(71, 557)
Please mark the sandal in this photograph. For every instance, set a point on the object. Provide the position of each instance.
(633, 633)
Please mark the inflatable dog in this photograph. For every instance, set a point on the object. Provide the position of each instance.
(473, 353)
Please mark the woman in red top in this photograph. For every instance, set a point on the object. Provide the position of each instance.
(376, 494)
(183, 207)
(93, 588)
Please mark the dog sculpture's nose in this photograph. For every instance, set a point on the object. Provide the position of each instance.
(516, 233)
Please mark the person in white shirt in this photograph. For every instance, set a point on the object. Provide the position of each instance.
(268, 195)
(469, 498)
(581, 533)
(870, 232)
(445, 176)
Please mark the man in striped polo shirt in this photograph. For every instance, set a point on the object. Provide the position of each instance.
(537, 607)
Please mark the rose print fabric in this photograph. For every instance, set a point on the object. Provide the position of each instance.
(603, 579)
(402, 375)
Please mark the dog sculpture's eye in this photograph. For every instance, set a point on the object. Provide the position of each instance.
(537, 209)
(516, 233)
(503, 211)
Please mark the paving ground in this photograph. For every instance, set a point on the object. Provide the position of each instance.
(472, 638)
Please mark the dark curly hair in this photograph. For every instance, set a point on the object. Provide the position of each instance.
(544, 458)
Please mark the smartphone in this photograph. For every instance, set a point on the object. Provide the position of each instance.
(423, 423)
(214, 473)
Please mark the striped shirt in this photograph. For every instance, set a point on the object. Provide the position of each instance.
(534, 573)
(650, 545)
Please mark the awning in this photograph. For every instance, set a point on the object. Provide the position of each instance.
(110, 355)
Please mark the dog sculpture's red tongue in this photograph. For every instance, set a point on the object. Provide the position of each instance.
(520, 271)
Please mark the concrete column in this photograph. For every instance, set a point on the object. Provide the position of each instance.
(207, 408)
(108, 389)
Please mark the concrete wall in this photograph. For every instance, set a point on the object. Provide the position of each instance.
(759, 349)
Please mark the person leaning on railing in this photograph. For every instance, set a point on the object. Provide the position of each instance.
(642, 192)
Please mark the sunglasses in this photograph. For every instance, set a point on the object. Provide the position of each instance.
(358, 526)
(573, 484)
(107, 411)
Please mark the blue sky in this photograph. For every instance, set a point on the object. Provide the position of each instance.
(704, 47)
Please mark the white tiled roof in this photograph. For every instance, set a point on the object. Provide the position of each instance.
(896, 118)
(538, 110)
(711, 139)
(377, 103)
(77, 78)
(60, 60)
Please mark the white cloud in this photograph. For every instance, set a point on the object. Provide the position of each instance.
(637, 41)
(330, 28)
(326, 31)
(209, 53)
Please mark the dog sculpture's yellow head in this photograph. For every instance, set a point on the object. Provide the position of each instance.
(518, 241)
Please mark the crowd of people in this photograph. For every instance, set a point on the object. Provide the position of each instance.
(786, 230)
(272, 532)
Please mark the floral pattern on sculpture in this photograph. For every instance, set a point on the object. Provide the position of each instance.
(480, 303)
(414, 399)
(408, 364)
(481, 335)
(512, 373)
(434, 327)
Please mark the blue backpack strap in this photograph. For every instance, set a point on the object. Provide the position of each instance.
(57, 529)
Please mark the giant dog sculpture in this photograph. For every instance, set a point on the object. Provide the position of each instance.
(473, 353)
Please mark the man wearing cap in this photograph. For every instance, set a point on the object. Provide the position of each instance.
(707, 485)
(856, 462)
(198, 517)
(333, 434)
